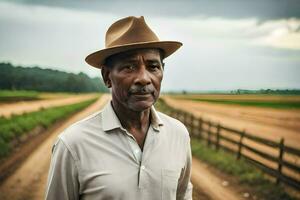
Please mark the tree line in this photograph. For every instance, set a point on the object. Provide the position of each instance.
(48, 80)
(268, 91)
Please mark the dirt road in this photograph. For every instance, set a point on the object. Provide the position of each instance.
(213, 186)
(28, 181)
(266, 122)
(30, 106)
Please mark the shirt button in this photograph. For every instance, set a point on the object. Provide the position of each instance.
(143, 167)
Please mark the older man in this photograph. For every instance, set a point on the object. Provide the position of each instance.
(128, 150)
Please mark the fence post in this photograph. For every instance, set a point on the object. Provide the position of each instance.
(189, 121)
(177, 114)
(172, 112)
(185, 118)
(200, 124)
(169, 111)
(218, 137)
(280, 159)
(239, 153)
(181, 116)
(208, 133)
(192, 125)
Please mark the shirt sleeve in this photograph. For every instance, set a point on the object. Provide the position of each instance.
(185, 187)
(63, 174)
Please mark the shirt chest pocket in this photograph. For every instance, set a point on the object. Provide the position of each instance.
(170, 179)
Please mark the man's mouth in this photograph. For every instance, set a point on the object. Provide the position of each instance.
(141, 93)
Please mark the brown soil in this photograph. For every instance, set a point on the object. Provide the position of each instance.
(266, 122)
(23, 149)
(213, 186)
(28, 181)
(31, 106)
(199, 193)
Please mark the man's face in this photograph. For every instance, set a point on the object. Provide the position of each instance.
(135, 78)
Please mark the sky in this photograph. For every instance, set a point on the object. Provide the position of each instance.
(227, 44)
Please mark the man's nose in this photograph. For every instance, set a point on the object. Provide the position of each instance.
(143, 77)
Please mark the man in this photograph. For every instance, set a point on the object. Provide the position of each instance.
(128, 150)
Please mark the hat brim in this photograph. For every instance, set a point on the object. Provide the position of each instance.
(97, 58)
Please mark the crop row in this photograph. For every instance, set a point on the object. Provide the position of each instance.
(18, 125)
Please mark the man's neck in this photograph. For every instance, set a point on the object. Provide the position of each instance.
(132, 121)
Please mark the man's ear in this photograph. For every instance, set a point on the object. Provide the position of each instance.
(105, 71)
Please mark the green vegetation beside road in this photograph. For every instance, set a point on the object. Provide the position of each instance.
(268, 91)
(280, 102)
(247, 174)
(29, 95)
(16, 126)
(18, 95)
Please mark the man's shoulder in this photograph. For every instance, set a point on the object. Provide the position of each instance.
(166, 119)
(173, 125)
(83, 128)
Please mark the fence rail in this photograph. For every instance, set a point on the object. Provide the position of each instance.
(214, 135)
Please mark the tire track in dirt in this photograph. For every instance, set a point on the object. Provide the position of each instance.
(28, 181)
(265, 122)
(210, 184)
(18, 108)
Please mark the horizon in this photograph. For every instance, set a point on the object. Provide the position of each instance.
(169, 91)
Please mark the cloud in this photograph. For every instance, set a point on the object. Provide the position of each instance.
(281, 34)
(218, 53)
(232, 9)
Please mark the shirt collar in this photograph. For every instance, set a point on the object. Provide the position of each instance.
(156, 121)
(111, 121)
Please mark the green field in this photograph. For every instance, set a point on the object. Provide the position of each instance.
(18, 95)
(27, 95)
(267, 101)
(16, 126)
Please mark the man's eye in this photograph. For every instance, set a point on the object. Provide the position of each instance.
(154, 67)
(128, 67)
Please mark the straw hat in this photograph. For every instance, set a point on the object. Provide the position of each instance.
(127, 34)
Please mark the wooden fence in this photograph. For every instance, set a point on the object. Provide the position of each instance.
(274, 158)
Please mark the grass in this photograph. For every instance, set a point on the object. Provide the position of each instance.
(246, 173)
(16, 126)
(18, 95)
(27, 95)
(269, 104)
(280, 103)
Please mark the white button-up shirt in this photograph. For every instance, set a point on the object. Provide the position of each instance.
(96, 158)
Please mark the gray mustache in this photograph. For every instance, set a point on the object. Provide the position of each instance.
(141, 89)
